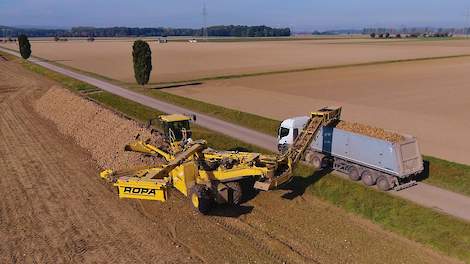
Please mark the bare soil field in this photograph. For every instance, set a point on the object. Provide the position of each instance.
(176, 61)
(429, 99)
(55, 208)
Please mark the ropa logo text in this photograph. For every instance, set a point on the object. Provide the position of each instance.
(140, 191)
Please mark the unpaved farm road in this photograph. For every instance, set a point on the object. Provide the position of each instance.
(426, 195)
(55, 209)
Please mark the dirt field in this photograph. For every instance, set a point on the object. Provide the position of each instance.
(182, 60)
(427, 99)
(55, 209)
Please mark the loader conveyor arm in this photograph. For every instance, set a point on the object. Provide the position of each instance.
(289, 160)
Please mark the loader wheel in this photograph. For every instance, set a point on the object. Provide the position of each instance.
(368, 178)
(383, 183)
(354, 174)
(201, 199)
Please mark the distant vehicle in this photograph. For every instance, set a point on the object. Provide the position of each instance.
(193, 40)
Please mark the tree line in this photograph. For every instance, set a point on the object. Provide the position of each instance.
(218, 31)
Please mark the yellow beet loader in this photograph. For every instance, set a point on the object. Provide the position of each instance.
(209, 176)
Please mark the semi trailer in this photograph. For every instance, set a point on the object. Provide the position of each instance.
(389, 164)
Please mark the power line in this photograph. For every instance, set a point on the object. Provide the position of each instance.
(204, 15)
(467, 16)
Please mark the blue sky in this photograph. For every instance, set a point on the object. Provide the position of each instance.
(297, 14)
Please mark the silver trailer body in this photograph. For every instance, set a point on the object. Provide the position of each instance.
(400, 159)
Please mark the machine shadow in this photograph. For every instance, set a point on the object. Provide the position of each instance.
(230, 210)
(425, 173)
(298, 184)
(296, 188)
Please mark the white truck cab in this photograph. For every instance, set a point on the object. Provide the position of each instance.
(289, 130)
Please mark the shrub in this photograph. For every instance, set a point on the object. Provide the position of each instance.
(25, 46)
(142, 57)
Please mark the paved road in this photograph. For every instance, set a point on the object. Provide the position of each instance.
(423, 194)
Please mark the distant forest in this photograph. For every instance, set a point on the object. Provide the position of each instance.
(218, 31)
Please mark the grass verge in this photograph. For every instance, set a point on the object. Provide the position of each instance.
(443, 233)
(449, 175)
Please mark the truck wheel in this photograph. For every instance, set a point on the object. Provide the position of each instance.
(368, 178)
(383, 183)
(201, 199)
(354, 174)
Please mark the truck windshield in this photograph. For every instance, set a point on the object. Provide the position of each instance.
(283, 132)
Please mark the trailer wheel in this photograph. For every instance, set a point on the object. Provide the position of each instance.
(201, 199)
(383, 183)
(368, 178)
(354, 174)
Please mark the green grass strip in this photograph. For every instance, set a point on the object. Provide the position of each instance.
(449, 175)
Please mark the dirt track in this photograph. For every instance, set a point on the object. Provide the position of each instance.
(182, 60)
(55, 209)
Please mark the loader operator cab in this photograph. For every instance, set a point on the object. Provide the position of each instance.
(176, 129)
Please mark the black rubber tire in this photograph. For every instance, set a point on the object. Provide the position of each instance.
(204, 197)
(383, 184)
(354, 174)
(235, 192)
(368, 178)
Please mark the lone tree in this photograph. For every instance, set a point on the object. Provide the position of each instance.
(142, 57)
(25, 46)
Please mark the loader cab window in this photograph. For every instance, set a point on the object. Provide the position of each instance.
(177, 128)
(283, 132)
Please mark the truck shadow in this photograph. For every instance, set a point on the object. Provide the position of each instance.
(299, 184)
(425, 173)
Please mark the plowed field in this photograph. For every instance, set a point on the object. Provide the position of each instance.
(183, 61)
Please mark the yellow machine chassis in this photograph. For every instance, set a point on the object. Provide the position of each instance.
(189, 165)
